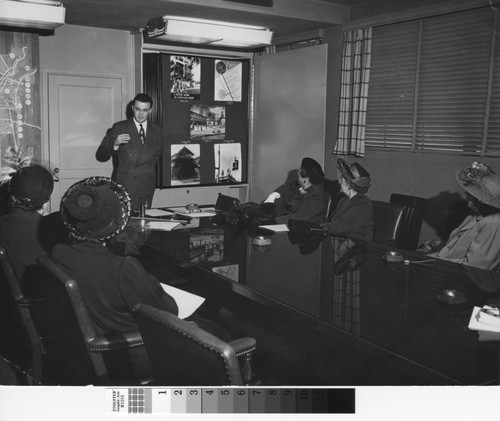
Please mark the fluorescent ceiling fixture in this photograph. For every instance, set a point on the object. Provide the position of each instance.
(41, 14)
(208, 32)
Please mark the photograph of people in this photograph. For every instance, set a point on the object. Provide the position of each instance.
(207, 122)
(227, 157)
(185, 77)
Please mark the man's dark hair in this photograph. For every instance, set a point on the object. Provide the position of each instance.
(144, 98)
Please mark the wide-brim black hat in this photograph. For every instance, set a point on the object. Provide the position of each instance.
(32, 185)
(95, 208)
(312, 168)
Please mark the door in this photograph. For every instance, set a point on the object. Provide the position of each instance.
(289, 121)
(80, 110)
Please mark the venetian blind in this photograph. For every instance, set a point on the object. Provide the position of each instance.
(433, 85)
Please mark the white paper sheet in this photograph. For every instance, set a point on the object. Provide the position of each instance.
(161, 225)
(275, 228)
(187, 302)
(197, 214)
(483, 322)
(157, 212)
(205, 212)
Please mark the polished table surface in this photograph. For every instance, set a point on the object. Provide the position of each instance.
(387, 311)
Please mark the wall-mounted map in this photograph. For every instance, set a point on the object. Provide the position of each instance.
(19, 93)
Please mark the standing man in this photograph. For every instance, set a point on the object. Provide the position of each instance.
(135, 145)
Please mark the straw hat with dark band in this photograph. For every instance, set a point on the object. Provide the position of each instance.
(95, 209)
(481, 182)
(355, 175)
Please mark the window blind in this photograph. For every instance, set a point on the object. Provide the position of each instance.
(435, 85)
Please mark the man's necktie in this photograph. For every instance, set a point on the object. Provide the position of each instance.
(141, 132)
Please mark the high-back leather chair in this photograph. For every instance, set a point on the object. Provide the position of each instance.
(412, 218)
(21, 305)
(388, 218)
(82, 346)
(184, 354)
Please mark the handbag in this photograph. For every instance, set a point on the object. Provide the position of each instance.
(226, 203)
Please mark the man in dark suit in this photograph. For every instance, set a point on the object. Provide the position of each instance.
(135, 145)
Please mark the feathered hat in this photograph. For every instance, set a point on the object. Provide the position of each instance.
(30, 184)
(481, 182)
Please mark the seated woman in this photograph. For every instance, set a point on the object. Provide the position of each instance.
(476, 242)
(353, 215)
(302, 199)
(26, 229)
(95, 211)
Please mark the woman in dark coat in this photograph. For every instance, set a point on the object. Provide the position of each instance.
(302, 199)
(353, 214)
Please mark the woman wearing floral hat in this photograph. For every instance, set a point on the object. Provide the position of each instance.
(476, 242)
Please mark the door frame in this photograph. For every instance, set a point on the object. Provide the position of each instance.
(45, 106)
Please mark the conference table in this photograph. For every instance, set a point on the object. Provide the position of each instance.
(328, 311)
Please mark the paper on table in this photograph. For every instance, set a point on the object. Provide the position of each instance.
(275, 228)
(157, 212)
(197, 214)
(483, 322)
(187, 302)
(181, 210)
(161, 225)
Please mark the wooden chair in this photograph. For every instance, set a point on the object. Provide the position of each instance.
(89, 357)
(21, 306)
(388, 219)
(412, 218)
(183, 354)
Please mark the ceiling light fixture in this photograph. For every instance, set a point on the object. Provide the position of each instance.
(207, 32)
(41, 14)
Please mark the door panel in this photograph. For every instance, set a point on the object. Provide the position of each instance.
(289, 121)
(80, 109)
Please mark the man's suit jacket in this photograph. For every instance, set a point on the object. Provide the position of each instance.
(135, 163)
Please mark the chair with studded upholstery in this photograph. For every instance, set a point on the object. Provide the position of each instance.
(182, 353)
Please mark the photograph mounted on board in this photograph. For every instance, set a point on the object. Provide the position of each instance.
(185, 164)
(208, 122)
(227, 157)
(185, 77)
(228, 80)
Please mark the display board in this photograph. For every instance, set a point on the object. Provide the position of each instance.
(203, 109)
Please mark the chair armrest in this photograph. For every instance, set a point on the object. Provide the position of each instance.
(114, 341)
(243, 346)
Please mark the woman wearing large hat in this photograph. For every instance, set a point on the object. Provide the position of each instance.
(353, 215)
(476, 242)
(96, 210)
(26, 230)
